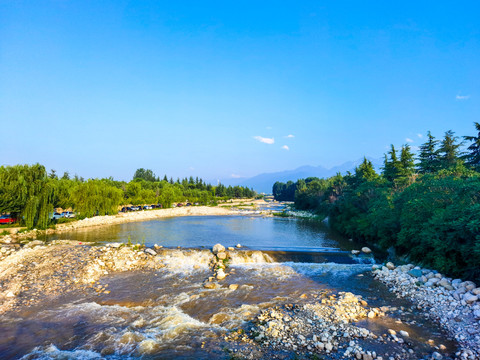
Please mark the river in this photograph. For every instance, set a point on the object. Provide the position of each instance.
(169, 314)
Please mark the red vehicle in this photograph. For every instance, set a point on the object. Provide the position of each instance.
(7, 219)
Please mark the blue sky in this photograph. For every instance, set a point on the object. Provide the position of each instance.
(214, 88)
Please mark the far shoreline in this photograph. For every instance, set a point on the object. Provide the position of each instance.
(241, 207)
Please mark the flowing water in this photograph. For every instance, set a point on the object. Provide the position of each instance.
(169, 314)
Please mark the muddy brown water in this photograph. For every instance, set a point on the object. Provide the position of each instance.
(168, 314)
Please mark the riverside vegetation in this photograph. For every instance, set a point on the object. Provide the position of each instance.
(428, 210)
(30, 194)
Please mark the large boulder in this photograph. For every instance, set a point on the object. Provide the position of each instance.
(415, 273)
(218, 248)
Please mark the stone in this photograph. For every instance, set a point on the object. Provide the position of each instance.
(355, 252)
(230, 248)
(221, 255)
(366, 250)
(34, 243)
(115, 245)
(392, 332)
(404, 333)
(415, 273)
(210, 285)
(470, 298)
(233, 286)
(476, 313)
(10, 294)
(218, 248)
(437, 356)
(476, 291)
(221, 274)
(150, 251)
(371, 314)
(239, 246)
(390, 266)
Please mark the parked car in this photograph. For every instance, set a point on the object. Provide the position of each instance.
(147, 207)
(56, 216)
(135, 208)
(7, 219)
(68, 214)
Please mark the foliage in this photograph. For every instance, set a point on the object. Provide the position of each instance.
(432, 216)
(31, 195)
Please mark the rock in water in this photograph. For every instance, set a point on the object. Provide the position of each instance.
(221, 255)
(150, 251)
(218, 248)
(209, 285)
(355, 252)
(221, 274)
(366, 250)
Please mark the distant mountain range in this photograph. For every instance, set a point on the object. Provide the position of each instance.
(263, 183)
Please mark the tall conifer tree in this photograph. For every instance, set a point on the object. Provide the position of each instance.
(472, 157)
(428, 158)
(449, 150)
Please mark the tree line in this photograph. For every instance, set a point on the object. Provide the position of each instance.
(30, 194)
(426, 207)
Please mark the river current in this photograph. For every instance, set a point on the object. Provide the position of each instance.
(169, 314)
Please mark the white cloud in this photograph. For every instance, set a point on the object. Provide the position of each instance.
(236, 176)
(290, 136)
(462, 97)
(285, 147)
(420, 136)
(265, 140)
(409, 140)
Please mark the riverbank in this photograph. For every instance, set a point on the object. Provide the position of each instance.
(453, 303)
(238, 207)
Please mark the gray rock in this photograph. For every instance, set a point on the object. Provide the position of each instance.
(415, 273)
(476, 291)
(150, 251)
(355, 252)
(470, 298)
(218, 248)
(221, 274)
(210, 285)
(390, 266)
(366, 250)
(221, 255)
(404, 333)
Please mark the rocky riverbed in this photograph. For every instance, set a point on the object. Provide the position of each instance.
(323, 324)
(451, 302)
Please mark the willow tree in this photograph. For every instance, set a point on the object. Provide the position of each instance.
(96, 197)
(26, 192)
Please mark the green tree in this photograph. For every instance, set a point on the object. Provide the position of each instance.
(365, 171)
(428, 157)
(146, 175)
(391, 166)
(472, 157)
(406, 165)
(449, 150)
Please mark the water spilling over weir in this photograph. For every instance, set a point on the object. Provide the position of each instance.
(166, 312)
